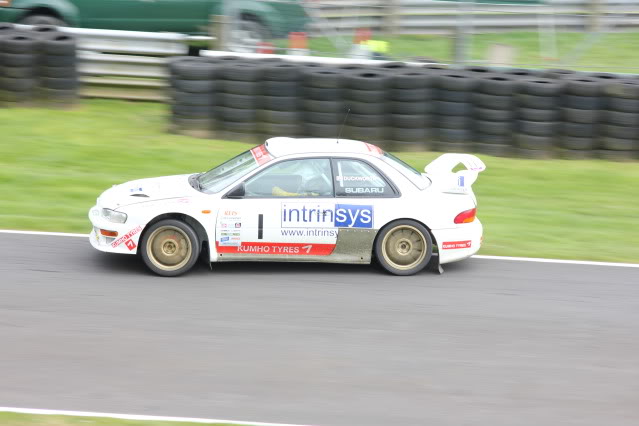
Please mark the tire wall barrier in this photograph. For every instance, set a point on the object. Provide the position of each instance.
(37, 66)
(512, 112)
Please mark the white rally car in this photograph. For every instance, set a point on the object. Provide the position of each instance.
(299, 200)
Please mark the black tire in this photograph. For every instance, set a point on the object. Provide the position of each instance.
(322, 130)
(411, 95)
(488, 139)
(620, 118)
(496, 84)
(236, 115)
(538, 102)
(574, 154)
(59, 83)
(283, 129)
(478, 71)
(408, 121)
(192, 123)
(164, 237)
(490, 114)
(283, 71)
(193, 86)
(196, 99)
(45, 30)
(410, 108)
(453, 96)
(58, 44)
(12, 96)
(18, 84)
(541, 87)
(59, 95)
(322, 94)
(281, 103)
(325, 106)
(447, 146)
(325, 117)
(58, 61)
(558, 73)
(523, 73)
(195, 70)
(536, 128)
(18, 72)
(6, 27)
(393, 65)
(239, 101)
(412, 78)
(367, 80)
(604, 77)
(533, 154)
(373, 96)
(408, 135)
(583, 86)
(460, 122)
(42, 20)
(457, 81)
(453, 135)
(623, 105)
(493, 101)
(577, 143)
(580, 115)
(371, 134)
(620, 132)
(617, 144)
(527, 141)
(17, 59)
(616, 155)
(365, 107)
(241, 127)
(496, 150)
(241, 71)
(280, 117)
(59, 72)
(532, 114)
(494, 127)
(19, 43)
(625, 88)
(192, 111)
(452, 108)
(252, 88)
(281, 88)
(366, 120)
(329, 78)
(582, 102)
(579, 129)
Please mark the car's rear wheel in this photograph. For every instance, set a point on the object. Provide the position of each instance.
(404, 247)
(170, 247)
(42, 20)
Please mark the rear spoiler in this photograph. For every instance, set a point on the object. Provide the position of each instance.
(460, 182)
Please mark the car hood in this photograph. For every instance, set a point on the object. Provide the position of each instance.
(145, 190)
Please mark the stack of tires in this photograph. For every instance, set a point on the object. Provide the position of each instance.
(58, 68)
(453, 110)
(494, 114)
(18, 78)
(538, 114)
(582, 105)
(280, 114)
(366, 97)
(240, 100)
(620, 121)
(411, 93)
(193, 96)
(324, 108)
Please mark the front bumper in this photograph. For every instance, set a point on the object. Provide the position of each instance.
(459, 243)
(126, 241)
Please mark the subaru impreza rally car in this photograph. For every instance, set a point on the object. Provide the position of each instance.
(297, 200)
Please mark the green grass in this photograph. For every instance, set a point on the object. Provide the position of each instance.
(614, 52)
(53, 165)
(14, 419)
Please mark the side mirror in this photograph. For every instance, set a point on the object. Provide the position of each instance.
(237, 192)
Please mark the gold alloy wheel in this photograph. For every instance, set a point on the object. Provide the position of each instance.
(169, 248)
(404, 247)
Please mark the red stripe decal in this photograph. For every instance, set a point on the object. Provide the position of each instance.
(450, 245)
(293, 249)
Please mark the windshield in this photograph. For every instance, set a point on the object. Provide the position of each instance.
(225, 174)
(407, 170)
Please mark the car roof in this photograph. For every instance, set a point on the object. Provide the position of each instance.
(281, 146)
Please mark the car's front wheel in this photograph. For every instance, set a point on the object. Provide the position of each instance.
(170, 247)
(404, 247)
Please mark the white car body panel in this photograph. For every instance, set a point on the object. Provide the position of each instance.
(297, 228)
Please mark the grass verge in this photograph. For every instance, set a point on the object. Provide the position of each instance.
(15, 419)
(53, 165)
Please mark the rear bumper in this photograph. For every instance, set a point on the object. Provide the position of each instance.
(459, 243)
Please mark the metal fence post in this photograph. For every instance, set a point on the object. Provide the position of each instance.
(218, 30)
(594, 20)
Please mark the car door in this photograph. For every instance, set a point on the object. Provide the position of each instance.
(286, 212)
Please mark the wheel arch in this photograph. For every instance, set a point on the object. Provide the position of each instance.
(199, 229)
(60, 9)
(430, 232)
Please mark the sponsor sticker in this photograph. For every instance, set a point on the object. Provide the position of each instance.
(292, 249)
(326, 215)
(126, 236)
(452, 245)
(460, 181)
(130, 244)
(261, 155)
(374, 149)
(349, 190)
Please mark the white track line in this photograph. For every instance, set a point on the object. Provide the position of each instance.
(517, 259)
(134, 417)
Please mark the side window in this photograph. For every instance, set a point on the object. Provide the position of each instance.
(293, 178)
(354, 178)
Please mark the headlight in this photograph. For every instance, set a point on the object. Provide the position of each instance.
(113, 216)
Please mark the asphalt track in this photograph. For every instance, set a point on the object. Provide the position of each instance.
(490, 342)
